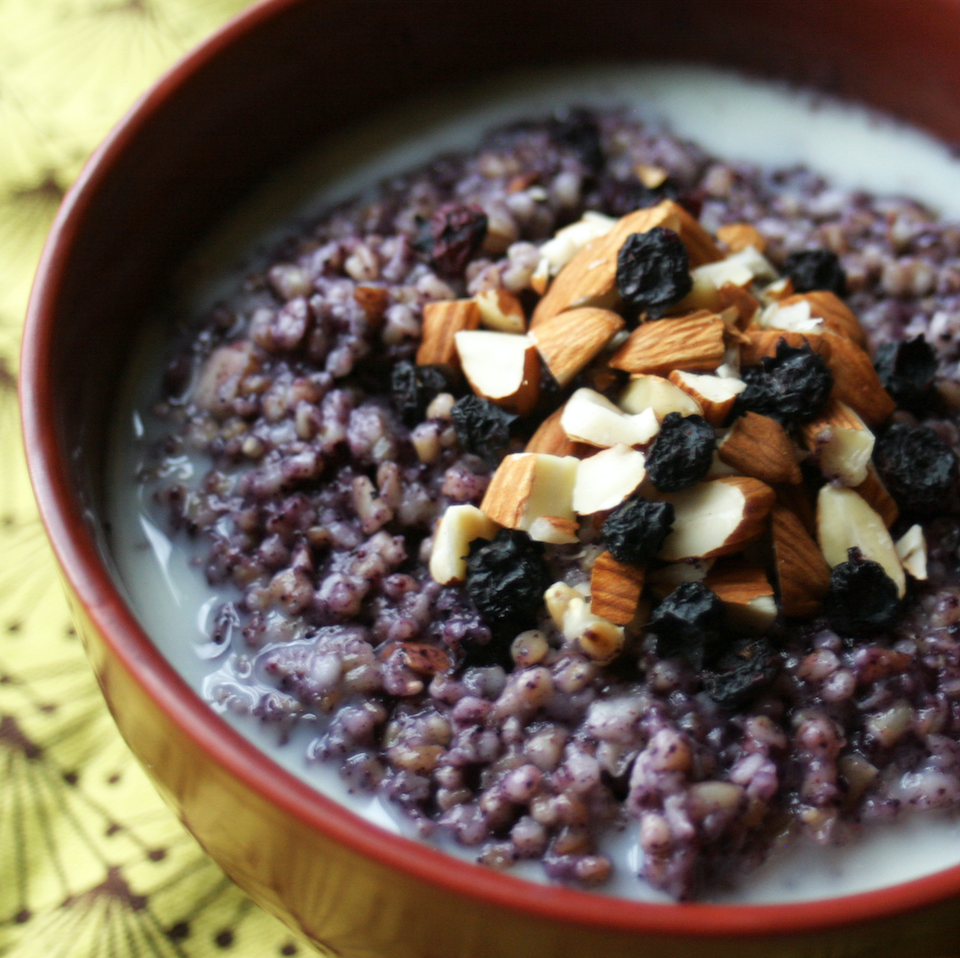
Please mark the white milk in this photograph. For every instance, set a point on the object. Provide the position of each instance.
(733, 118)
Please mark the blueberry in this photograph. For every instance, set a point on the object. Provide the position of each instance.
(918, 468)
(482, 427)
(413, 387)
(792, 386)
(618, 197)
(577, 130)
(682, 453)
(634, 531)
(742, 672)
(451, 237)
(906, 370)
(687, 623)
(816, 269)
(862, 597)
(506, 578)
(653, 271)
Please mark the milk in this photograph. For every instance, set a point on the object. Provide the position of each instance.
(728, 116)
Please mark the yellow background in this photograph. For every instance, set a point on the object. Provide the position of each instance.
(91, 863)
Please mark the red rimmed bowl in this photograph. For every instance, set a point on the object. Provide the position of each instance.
(258, 92)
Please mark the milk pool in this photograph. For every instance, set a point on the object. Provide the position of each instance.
(729, 117)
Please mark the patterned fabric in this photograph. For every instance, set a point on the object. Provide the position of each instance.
(92, 864)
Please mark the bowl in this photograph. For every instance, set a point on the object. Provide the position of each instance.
(256, 94)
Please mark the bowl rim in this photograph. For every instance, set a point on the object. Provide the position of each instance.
(87, 576)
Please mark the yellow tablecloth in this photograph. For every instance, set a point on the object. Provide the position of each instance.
(92, 864)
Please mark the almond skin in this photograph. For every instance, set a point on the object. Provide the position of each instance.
(714, 395)
(738, 236)
(693, 343)
(551, 438)
(568, 342)
(802, 572)
(615, 589)
(746, 304)
(874, 492)
(764, 342)
(746, 593)
(759, 446)
(855, 381)
(441, 322)
(836, 315)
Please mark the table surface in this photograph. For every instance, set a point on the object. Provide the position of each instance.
(91, 862)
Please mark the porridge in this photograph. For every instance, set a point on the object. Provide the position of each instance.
(584, 502)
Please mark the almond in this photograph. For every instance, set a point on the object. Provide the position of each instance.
(529, 485)
(615, 589)
(740, 268)
(500, 310)
(651, 176)
(855, 381)
(374, 301)
(874, 492)
(554, 529)
(764, 342)
(840, 444)
(759, 446)
(441, 322)
(746, 594)
(458, 527)
(567, 242)
(777, 290)
(658, 394)
(799, 501)
(747, 305)
(802, 572)
(693, 343)
(551, 438)
(606, 479)
(664, 580)
(793, 318)
(715, 395)
(738, 236)
(835, 314)
(569, 341)
(717, 518)
(845, 521)
(591, 418)
(912, 549)
(501, 367)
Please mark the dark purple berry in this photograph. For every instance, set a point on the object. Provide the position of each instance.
(682, 453)
(906, 370)
(918, 468)
(742, 672)
(577, 130)
(451, 237)
(482, 427)
(619, 197)
(413, 388)
(792, 386)
(653, 271)
(634, 531)
(506, 578)
(687, 623)
(812, 269)
(862, 597)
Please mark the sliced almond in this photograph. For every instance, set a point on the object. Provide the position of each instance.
(738, 236)
(567, 242)
(845, 521)
(569, 341)
(802, 572)
(717, 518)
(555, 530)
(840, 443)
(458, 527)
(764, 342)
(658, 394)
(714, 394)
(551, 438)
(792, 317)
(441, 322)
(740, 268)
(875, 493)
(747, 305)
(694, 343)
(834, 313)
(615, 589)
(501, 367)
(527, 486)
(746, 594)
(912, 550)
(591, 418)
(500, 310)
(759, 446)
(606, 479)
(855, 381)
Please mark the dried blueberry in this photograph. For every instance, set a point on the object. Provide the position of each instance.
(919, 469)
(906, 370)
(506, 578)
(812, 269)
(450, 238)
(792, 386)
(682, 453)
(619, 197)
(481, 427)
(741, 672)
(413, 388)
(862, 597)
(635, 530)
(688, 622)
(653, 271)
(578, 131)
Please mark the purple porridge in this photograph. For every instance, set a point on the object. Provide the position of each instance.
(337, 435)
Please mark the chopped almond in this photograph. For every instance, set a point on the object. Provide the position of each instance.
(591, 418)
(458, 527)
(912, 550)
(615, 589)
(529, 485)
(780, 289)
(714, 394)
(759, 446)
(606, 479)
(441, 322)
(501, 367)
(802, 572)
(554, 529)
(746, 594)
(661, 582)
(659, 394)
(551, 438)
(738, 236)
(855, 381)
(875, 493)
(693, 343)
(764, 342)
(650, 176)
(836, 315)
(500, 310)
(840, 443)
(746, 304)
(569, 341)
(374, 301)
